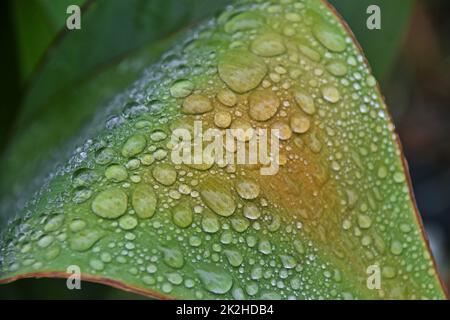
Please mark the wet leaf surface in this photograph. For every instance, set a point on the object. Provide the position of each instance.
(339, 204)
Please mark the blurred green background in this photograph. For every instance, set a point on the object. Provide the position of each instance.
(51, 78)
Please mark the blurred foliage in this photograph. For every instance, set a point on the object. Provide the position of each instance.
(380, 46)
(37, 22)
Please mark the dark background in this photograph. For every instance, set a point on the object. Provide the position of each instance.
(411, 59)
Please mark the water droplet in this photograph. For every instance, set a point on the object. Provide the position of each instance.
(337, 68)
(288, 261)
(263, 105)
(77, 225)
(181, 88)
(110, 203)
(264, 247)
(149, 280)
(84, 177)
(214, 279)
(299, 123)
(389, 272)
(382, 172)
(217, 197)
(364, 221)
(105, 156)
(329, 38)
(54, 223)
(284, 131)
(165, 174)
(81, 195)
(85, 239)
(196, 104)
(396, 247)
(371, 81)
(222, 119)
(331, 94)
(305, 102)
(234, 257)
(243, 21)
(399, 177)
(52, 252)
(96, 264)
(247, 189)
(45, 241)
(182, 215)
(144, 201)
(242, 130)
(227, 97)
(106, 257)
(158, 135)
(173, 257)
(268, 45)
(210, 223)
(241, 70)
(175, 278)
(134, 145)
(116, 173)
(251, 211)
(309, 53)
(128, 222)
(252, 288)
(239, 224)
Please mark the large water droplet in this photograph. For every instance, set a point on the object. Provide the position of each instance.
(110, 203)
(299, 123)
(116, 173)
(329, 38)
(182, 215)
(263, 105)
(144, 201)
(54, 223)
(331, 94)
(243, 21)
(173, 257)
(305, 101)
(247, 188)
(227, 97)
(85, 239)
(196, 104)
(134, 145)
(214, 279)
(234, 257)
(217, 197)
(241, 70)
(210, 223)
(165, 174)
(268, 45)
(251, 211)
(181, 88)
(128, 222)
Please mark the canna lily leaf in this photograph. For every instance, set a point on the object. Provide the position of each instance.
(321, 219)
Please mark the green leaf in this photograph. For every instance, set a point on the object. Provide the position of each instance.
(380, 46)
(337, 213)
